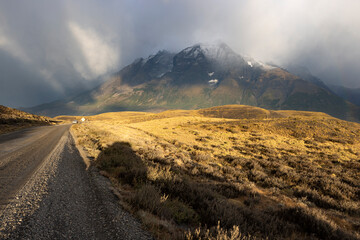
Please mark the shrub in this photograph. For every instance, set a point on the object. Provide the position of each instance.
(147, 198)
(314, 222)
(179, 212)
(122, 163)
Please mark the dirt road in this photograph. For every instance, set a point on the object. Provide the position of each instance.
(46, 192)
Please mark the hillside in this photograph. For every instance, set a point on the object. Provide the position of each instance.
(203, 76)
(234, 170)
(13, 119)
(350, 94)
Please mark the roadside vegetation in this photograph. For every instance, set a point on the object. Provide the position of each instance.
(12, 119)
(231, 172)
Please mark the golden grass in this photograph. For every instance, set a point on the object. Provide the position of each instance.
(13, 119)
(276, 174)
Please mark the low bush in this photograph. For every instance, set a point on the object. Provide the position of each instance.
(123, 163)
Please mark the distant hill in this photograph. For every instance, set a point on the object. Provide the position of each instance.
(12, 119)
(204, 76)
(350, 94)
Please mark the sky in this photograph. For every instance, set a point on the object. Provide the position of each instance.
(54, 49)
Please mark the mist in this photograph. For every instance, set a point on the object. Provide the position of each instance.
(53, 49)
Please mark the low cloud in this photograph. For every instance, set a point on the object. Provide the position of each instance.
(64, 46)
(12, 48)
(99, 55)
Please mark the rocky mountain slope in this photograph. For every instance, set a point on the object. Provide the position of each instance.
(350, 94)
(202, 76)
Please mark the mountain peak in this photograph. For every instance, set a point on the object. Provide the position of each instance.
(218, 53)
(212, 51)
(144, 69)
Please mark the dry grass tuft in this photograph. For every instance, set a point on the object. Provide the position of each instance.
(217, 233)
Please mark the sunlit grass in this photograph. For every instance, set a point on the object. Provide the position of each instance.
(13, 119)
(276, 174)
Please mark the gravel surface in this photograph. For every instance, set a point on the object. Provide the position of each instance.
(64, 200)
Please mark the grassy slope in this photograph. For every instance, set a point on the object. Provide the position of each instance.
(276, 174)
(12, 119)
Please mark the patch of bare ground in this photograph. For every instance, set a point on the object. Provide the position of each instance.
(199, 175)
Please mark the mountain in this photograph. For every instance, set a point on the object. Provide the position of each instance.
(350, 94)
(12, 119)
(305, 74)
(200, 76)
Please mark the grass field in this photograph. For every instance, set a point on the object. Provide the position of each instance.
(235, 172)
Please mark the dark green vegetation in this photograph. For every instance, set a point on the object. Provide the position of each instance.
(204, 76)
(12, 119)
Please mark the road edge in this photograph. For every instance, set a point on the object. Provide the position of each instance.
(82, 151)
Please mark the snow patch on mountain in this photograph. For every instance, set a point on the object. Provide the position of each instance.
(162, 74)
(267, 66)
(213, 82)
(211, 73)
(219, 52)
(254, 63)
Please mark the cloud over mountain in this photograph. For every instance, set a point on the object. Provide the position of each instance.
(63, 46)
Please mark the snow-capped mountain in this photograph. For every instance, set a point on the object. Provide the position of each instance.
(219, 54)
(205, 75)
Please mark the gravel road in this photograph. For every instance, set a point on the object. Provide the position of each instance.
(46, 192)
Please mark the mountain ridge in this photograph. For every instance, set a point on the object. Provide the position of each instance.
(350, 94)
(203, 76)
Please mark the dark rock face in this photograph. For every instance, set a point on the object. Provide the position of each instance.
(143, 70)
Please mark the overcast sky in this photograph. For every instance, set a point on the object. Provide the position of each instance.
(52, 49)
